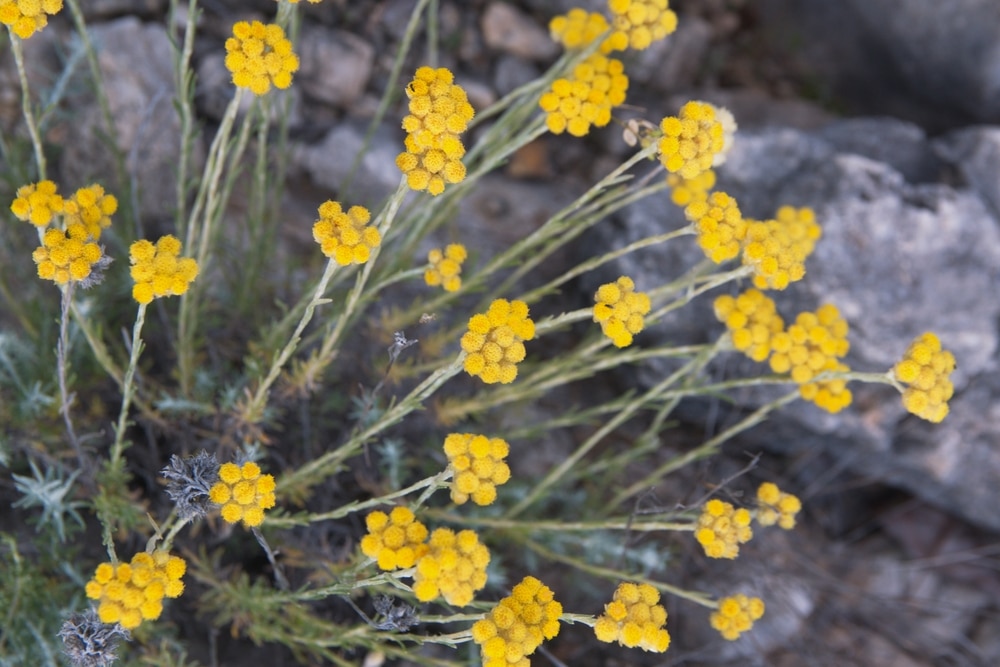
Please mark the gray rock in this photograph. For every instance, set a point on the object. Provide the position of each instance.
(512, 72)
(328, 162)
(135, 61)
(975, 153)
(897, 259)
(937, 64)
(96, 10)
(335, 65)
(508, 29)
(670, 64)
(396, 16)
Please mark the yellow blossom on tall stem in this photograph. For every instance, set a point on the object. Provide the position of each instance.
(130, 593)
(158, 270)
(259, 56)
(26, 17)
(92, 207)
(345, 236)
(639, 23)
(67, 256)
(479, 466)
(586, 98)
(736, 615)
(494, 342)
(620, 309)
(37, 203)
(634, 618)
(691, 140)
(396, 540)
(518, 624)
(926, 368)
(243, 493)
(454, 567)
(446, 267)
(722, 528)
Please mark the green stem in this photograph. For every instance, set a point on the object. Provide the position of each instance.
(29, 114)
(129, 385)
(62, 363)
(615, 523)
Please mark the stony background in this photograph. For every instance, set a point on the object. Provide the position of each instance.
(884, 115)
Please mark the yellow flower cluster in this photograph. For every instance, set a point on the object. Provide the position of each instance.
(578, 28)
(260, 55)
(639, 23)
(479, 466)
(396, 540)
(684, 191)
(158, 271)
(620, 309)
(719, 224)
(130, 593)
(92, 207)
(446, 267)
(572, 105)
(774, 506)
(814, 344)
(691, 140)
(454, 567)
(26, 17)
(752, 320)
(722, 529)
(345, 238)
(295, 2)
(243, 492)
(777, 249)
(439, 112)
(66, 256)
(926, 368)
(494, 341)
(518, 625)
(633, 618)
(37, 203)
(736, 615)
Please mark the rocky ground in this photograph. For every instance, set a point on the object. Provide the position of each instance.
(884, 115)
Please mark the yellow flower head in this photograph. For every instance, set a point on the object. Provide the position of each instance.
(719, 224)
(396, 540)
(518, 624)
(736, 615)
(777, 249)
(93, 208)
(439, 112)
(446, 267)
(926, 368)
(26, 17)
(634, 618)
(774, 506)
(579, 28)
(454, 567)
(752, 321)
(684, 192)
(130, 593)
(596, 86)
(67, 256)
(346, 238)
(495, 341)
(639, 23)
(37, 203)
(722, 529)
(814, 344)
(691, 140)
(260, 55)
(479, 467)
(158, 270)
(620, 309)
(243, 493)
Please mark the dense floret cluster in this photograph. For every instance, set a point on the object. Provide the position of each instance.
(130, 593)
(494, 342)
(578, 28)
(26, 17)
(736, 615)
(774, 506)
(259, 56)
(439, 112)
(777, 249)
(633, 618)
(685, 191)
(518, 625)
(345, 237)
(454, 567)
(479, 466)
(691, 140)
(396, 540)
(158, 270)
(639, 23)
(66, 256)
(719, 225)
(243, 492)
(92, 207)
(752, 320)
(37, 203)
(814, 344)
(619, 309)
(446, 267)
(722, 529)
(596, 86)
(926, 368)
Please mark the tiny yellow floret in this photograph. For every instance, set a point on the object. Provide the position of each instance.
(130, 593)
(345, 236)
(446, 267)
(736, 615)
(634, 618)
(518, 624)
(494, 344)
(722, 528)
(37, 203)
(774, 506)
(395, 540)
(620, 309)
(243, 493)
(926, 369)
(639, 23)
(691, 140)
(479, 467)
(158, 271)
(595, 87)
(453, 567)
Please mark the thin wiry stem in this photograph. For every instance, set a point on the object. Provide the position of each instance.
(29, 114)
(129, 386)
(62, 363)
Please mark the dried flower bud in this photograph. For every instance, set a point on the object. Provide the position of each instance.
(190, 480)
